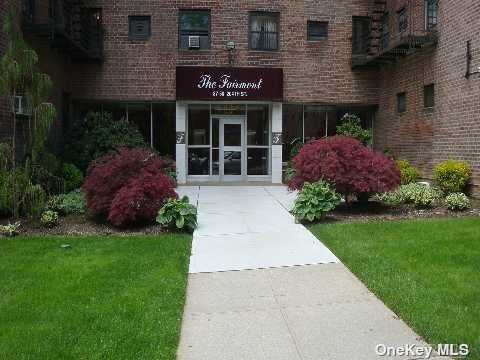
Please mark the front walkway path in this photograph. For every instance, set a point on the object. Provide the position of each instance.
(248, 227)
(276, 312)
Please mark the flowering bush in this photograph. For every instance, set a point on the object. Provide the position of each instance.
(107, 176)
(457, 201)
(343, 161)
(140, 200)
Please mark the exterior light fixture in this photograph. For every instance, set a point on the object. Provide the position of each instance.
(230, 49)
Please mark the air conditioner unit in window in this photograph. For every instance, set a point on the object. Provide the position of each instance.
(20, 106)
(194, 42)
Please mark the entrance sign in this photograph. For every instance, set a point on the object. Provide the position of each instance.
(215, 83)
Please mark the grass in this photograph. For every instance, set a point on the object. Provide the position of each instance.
(426, 271)
(107, 297)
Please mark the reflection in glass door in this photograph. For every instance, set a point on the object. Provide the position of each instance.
(232, 149)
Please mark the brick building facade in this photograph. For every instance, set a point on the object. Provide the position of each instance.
(451, 128)
(361, 56)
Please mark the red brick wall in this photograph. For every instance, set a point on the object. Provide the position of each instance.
(145, 70)
(452, 129)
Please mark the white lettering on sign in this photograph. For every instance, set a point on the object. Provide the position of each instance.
(222, 86)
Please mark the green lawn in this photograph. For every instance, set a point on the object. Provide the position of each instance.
(426, 271)
(108, 297)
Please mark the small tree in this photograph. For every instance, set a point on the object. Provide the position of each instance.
(351, 125)
(19, 76)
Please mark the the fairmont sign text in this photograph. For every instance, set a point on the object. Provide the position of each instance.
(213, 83)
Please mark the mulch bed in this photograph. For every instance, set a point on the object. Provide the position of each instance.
(82, 225)
(377, 211)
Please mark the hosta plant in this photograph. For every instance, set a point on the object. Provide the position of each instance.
(457, 201)
(178, 213)
(49, 218)
(10, 230)
(314, 201)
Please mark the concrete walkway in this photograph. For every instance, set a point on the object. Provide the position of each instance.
(278, 311)
(249, 227)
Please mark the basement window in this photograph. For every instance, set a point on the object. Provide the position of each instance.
(139, 27)
(401, 102)
(317, 30)
(429, 96)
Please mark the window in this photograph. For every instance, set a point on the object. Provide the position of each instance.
(401, 102)
(199, 140)
(258, 132)
(264, 31)
(194, 29)
(361, 35)
(317, 30)
(385, 39)
(402, 20)
(429, 96)
(431, 10)
(139, 27)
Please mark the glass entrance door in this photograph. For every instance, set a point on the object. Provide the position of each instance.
(232, 149)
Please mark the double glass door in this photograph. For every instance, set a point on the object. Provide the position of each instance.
(232, 148)
(228, 147)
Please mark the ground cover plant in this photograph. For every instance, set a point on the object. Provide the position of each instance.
(98, 297)
(72, 203)
(427, 271)
(419, 194)
(457, 201)
(354, 169)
